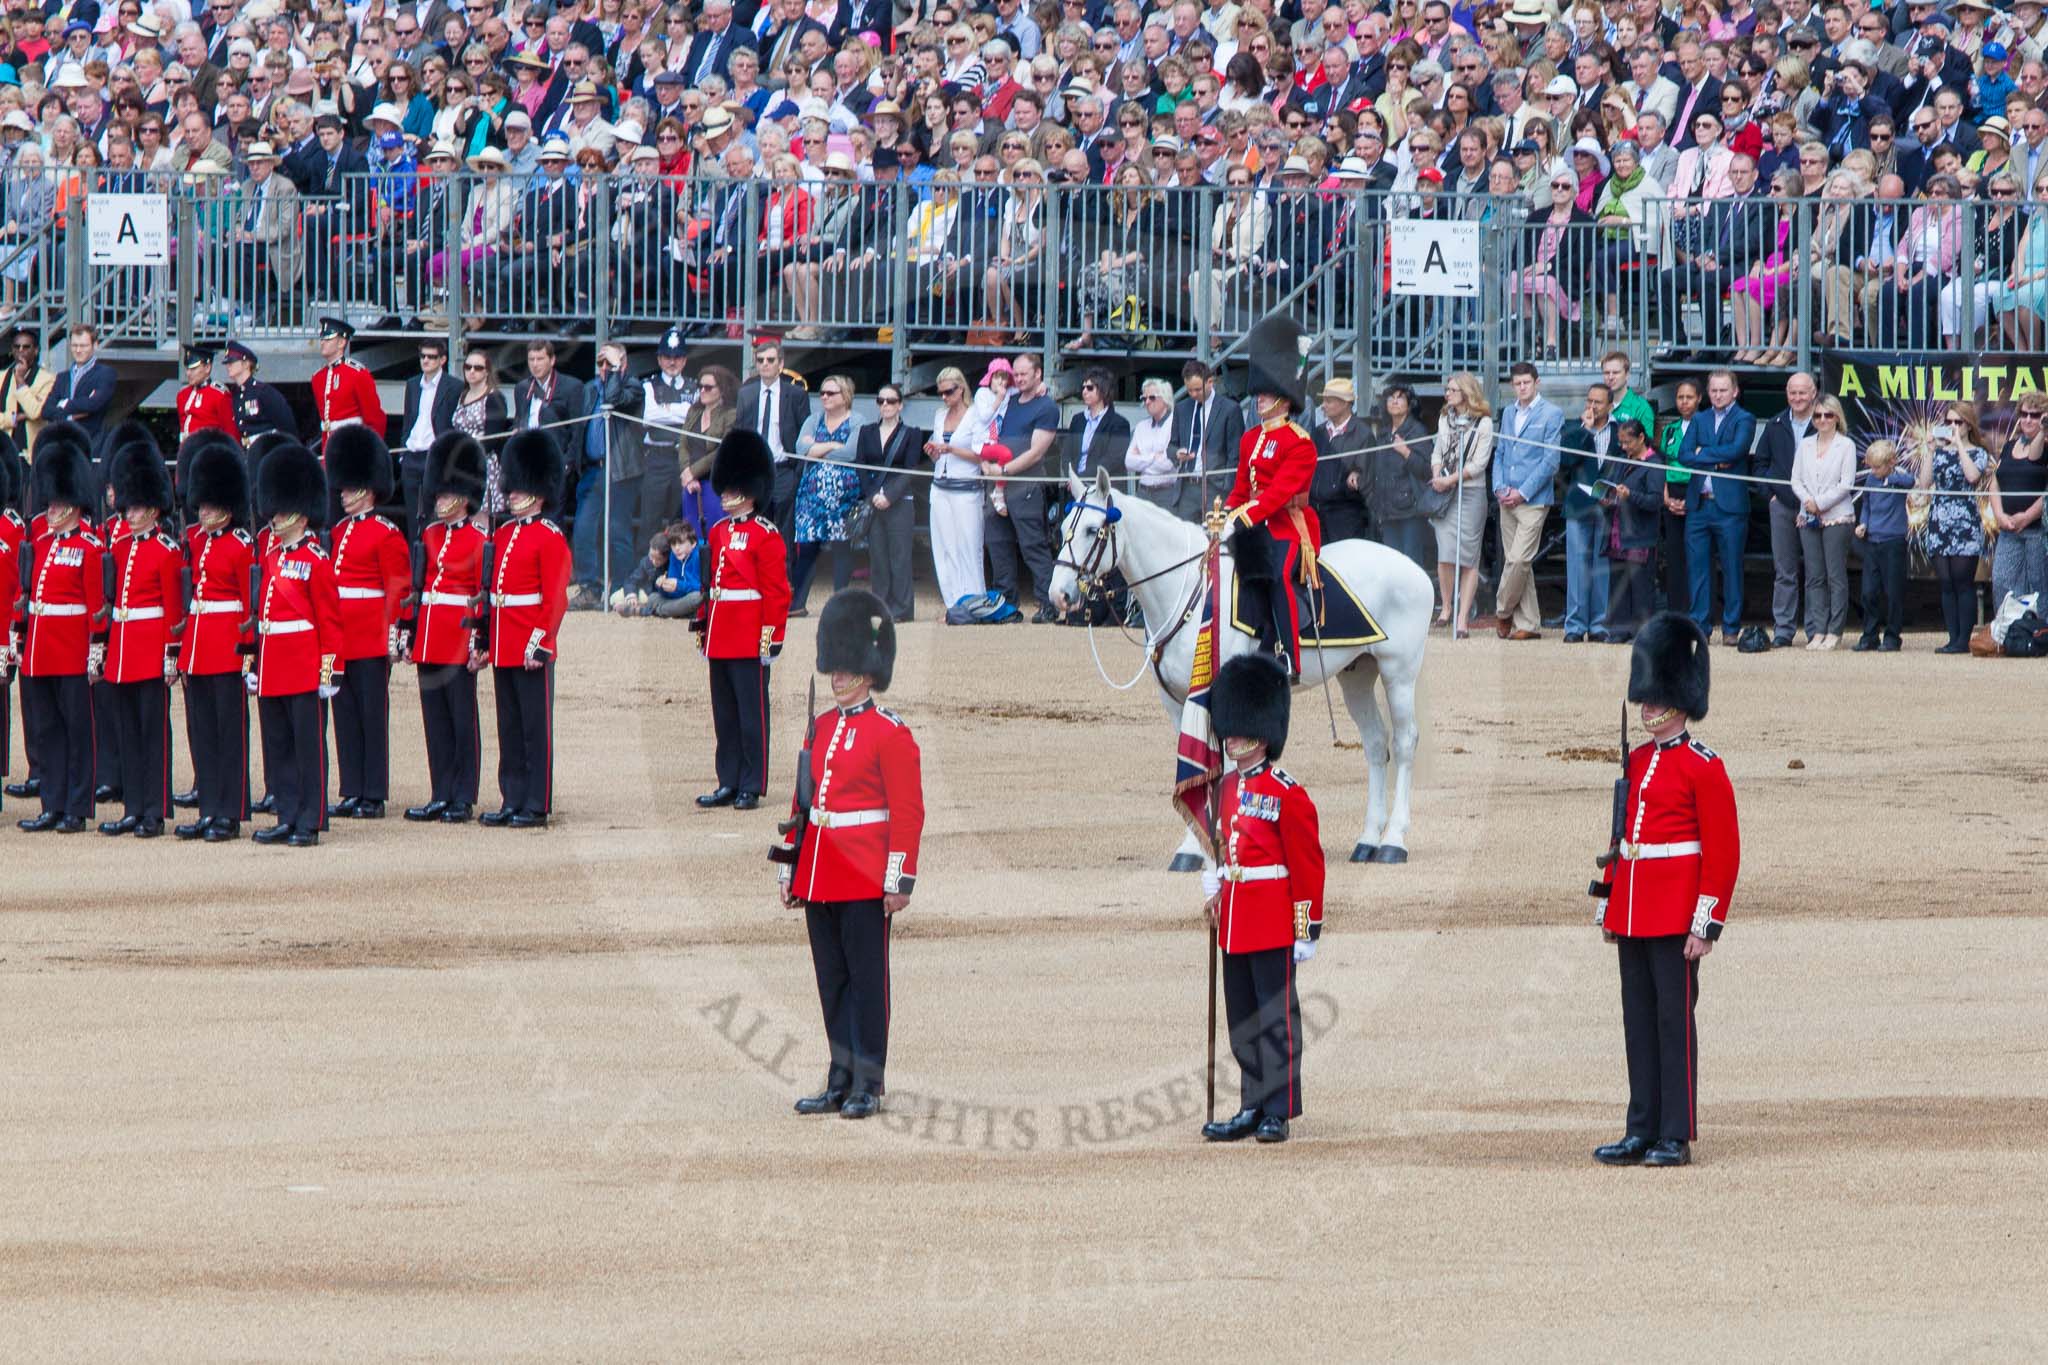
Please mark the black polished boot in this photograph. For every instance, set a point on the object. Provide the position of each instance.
(1272, 1128)
(115, 828)
(455, 815)
(194, 830)
(186, 800)
(859, 1105)
(496, 819)
(1669, 1152)
(267, 806)
(276, 834)
(826, 1101)
(1236, 1128)
(1627, 1152)
(431, 811)
(223, 831)
(722, 796)
(344, 809)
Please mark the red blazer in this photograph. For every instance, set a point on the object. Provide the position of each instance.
(1268, 822)
(372, 574)
(455, 567)
(344, 391)
(749, 590)
(1276, 463)
(206, 407)
(221, 622)
(149, 608)
(300, 622)
(529, 589)
(67, 593)
(863, 761)
(1679, 794)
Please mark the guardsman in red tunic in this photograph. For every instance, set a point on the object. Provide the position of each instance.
(202, 404)
(1676, 857)
(446, 644)
(1266, 896)
(298, 635)
(849, 849)
(372, 571)
(1275, 535)
(66, 608)
(220, 634)
(146, 620)
(529, 593)
(745, 611)
(344, 395)
(13, 534)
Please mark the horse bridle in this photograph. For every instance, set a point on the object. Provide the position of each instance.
(1088, 575)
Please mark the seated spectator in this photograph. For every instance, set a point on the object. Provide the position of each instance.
(1019, 244)
(1113, 284)
(1623, 212)
(1241, 220)
(26, 206)
(668, 581)
(1997, 252)
(1552, 252)
(1754, 297)
(2023, 301)
(1928, 251)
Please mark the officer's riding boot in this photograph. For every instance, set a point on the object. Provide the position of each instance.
(1281, 631)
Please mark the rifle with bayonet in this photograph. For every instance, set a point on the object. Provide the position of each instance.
(798, 825)
(1617, 830)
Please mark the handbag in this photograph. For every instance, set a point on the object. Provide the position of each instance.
(857, 522)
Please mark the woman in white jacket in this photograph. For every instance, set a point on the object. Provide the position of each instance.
(959, 430)
(1823, 478)
(1238, 234)
(1458, 470)
(1150, 455)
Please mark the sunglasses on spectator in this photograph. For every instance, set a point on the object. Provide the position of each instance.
(1397, 66)
(2026, 416)
(1823, 417)
(882, 398)
(1876, 136)
(951, 391)
(475, 366)
(2005, 194)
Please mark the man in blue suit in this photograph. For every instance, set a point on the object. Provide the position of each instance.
(1525, 455)
(1717, 510)
(84, 392)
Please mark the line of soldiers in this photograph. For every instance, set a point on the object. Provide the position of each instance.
(114, 615)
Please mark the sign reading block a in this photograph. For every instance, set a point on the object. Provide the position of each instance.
(128, 229)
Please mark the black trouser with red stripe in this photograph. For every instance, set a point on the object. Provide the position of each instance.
(295, 757)
(739, 718)
(1658, 991)
(217, 729)
(362, 728)
(1265, 1029)
(142, 721)
(850, 952)
(526, 738)
(454, 753)
(106, 737)
(57, 712)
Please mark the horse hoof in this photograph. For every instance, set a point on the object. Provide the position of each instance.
(1185, 862)
(1365, 853)
(1390, 853)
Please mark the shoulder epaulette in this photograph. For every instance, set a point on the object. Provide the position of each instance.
(313, 544)
(550, 525)
(886, 714)
(11, 515)
(91, 539)
(1280, 776)
(1702, 750)
(353, 363)
(1299, 429)
(244, 536)
(164, 539)
(766, 524)
(388, 524)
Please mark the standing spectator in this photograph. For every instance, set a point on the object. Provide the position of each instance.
(1687, 397)
(1881, 525)
(1717, 441)
(1017, 536)
(608, 478)
(958, 433)
(547, 398)
(1524, 472)
(1824, 482)
(83, 393)
(430, 398)
(1150, 457)
(1952, 464)
(1338, 491)
(776, 408)
(827, 491)
(889, 448)
(1394, 469)
(1458, 463)
(1206, 431)
(24, 390)
(1777, 443)
(665, 401)
(1635, 508)
(1098, 435)
(2017, 564)
(480, 414)
(709, 419)
(1582, 468)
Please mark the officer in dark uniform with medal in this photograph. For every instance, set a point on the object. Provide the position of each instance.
(260, 409)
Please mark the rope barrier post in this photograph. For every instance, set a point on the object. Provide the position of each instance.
(899, 280)
(453, 285)
(605, 551)
(1206, 321)
(601, 275)
(1801, 306)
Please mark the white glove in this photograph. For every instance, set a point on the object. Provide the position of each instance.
(1212, 884)
(329, 691)
(170, 670)
(1304, 949)
(1600, 913)
(249, 683)
(95, 661)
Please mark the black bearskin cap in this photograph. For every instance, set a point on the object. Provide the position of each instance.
(1250, 700)
(358, 458)
(856, 635)
(10, 476)
(454, 465)
(1669, 667)
(744, 465)
(290, 481)
(63, 473)
(532, 464)
(216, 475)
(1274, 345)
(140, 477)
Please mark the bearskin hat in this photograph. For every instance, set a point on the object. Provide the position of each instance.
(140, 477)
(744, 465)
(63, 473)
(454, 465)
(1250, 700)
(290, 482)
(64, 434)
(1257, 553)
(532, 464)
(1669, 667)
(856, 635)
(1274, 345)
(216, 475)
(358, 458)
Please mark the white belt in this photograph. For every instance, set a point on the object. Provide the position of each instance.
(1272, 872)
(1641, 853)
(56, 609)
(283, 627)
(515, 599)
(359, 594)
(846, 819)
(216, 608)
(138, 614)
(443, 599)
(735, 595)
(341, 422)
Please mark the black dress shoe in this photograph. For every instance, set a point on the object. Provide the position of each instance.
(431, 811)
(186, 800)
(267, 806)
(1627, 1152)
(193, 830)
(496, 819)
(1272, 1128)
(455, 815)
(344, 809)
(367, 809)
(859, 1105)
(1953, 647)
(37, 824)
(223, 831)
(114, 828)
(721, 796)
(1781, 641)
(746, 801)
(149, 829)
(105, 794)
(32, 787)
(526, 819)
(1572, 637)
(1863, 645)
(302, 838)
(1669, 1152)
(826, 1101)
(276, 834)
(1890, 646)
(1618, 637)
(1238, 1126)
(1044, 617)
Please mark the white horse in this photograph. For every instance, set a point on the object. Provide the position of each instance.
(1160, 556)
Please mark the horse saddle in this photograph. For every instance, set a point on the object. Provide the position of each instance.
(1331, 615)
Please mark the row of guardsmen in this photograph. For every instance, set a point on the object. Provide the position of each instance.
(111, 617)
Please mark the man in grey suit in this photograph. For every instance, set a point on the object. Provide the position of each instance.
(266, 231)
(1206, 430)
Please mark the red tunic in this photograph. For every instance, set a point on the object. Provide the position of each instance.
(372, 573)
(206, 407)
(1684, 846)
(866, 768)
(66, 596)
(529, 589)
(749, 588)
(1268, 823)
(149, 607)
(1276, 463)
(343, 394)
(300, 623)
(12, 534)
(455, 566)
(220, 621)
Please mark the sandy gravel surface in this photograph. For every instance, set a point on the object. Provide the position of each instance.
(432, 1093)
